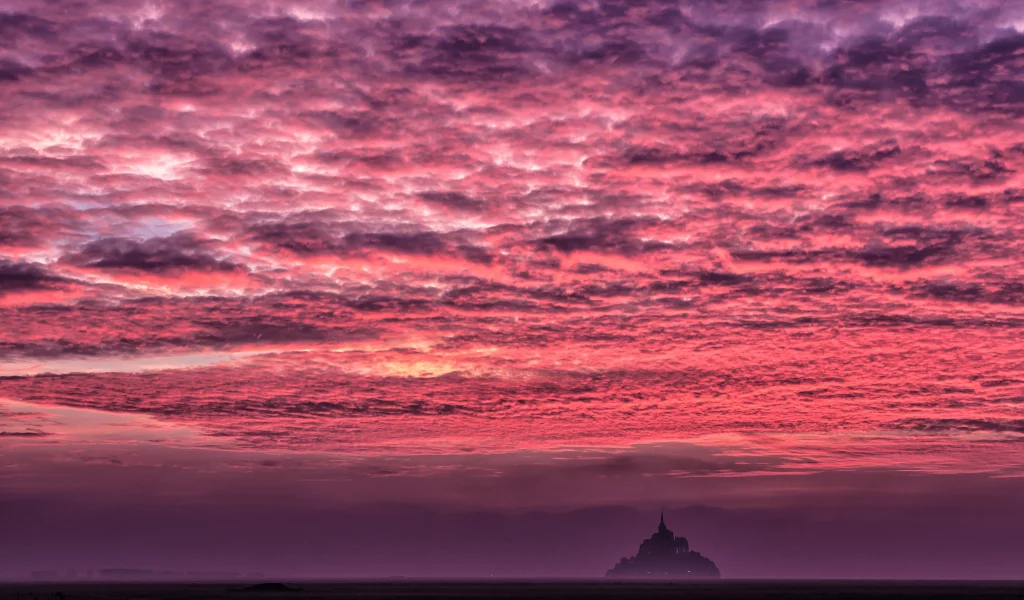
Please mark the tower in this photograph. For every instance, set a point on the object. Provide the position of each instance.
(663, 531)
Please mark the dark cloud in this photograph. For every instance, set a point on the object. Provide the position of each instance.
(155, 255)
(963, 425)
(1010, 293)
(311, 238)
(720, 278)
(12, 71)
(14, 26)
(858, 160)
(619, 236)
(19, 276)
(453, 200)
(901, 256)
(487, 52)
(975, 170)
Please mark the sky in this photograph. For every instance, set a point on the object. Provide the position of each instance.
(461, 288)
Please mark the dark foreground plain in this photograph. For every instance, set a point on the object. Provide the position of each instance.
(515, 590)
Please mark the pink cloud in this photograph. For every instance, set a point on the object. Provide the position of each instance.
(521, 228)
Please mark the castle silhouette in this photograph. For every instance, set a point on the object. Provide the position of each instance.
(665, 556)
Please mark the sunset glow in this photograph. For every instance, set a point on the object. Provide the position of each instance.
(724, 253)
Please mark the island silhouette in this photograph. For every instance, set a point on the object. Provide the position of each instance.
(665, 556)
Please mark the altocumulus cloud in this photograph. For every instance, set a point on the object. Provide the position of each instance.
(523, 225)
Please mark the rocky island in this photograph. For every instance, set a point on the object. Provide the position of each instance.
(665, 556)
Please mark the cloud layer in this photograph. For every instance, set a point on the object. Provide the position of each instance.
(393, 228)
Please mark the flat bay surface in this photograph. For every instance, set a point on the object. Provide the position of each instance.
(562, 590)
